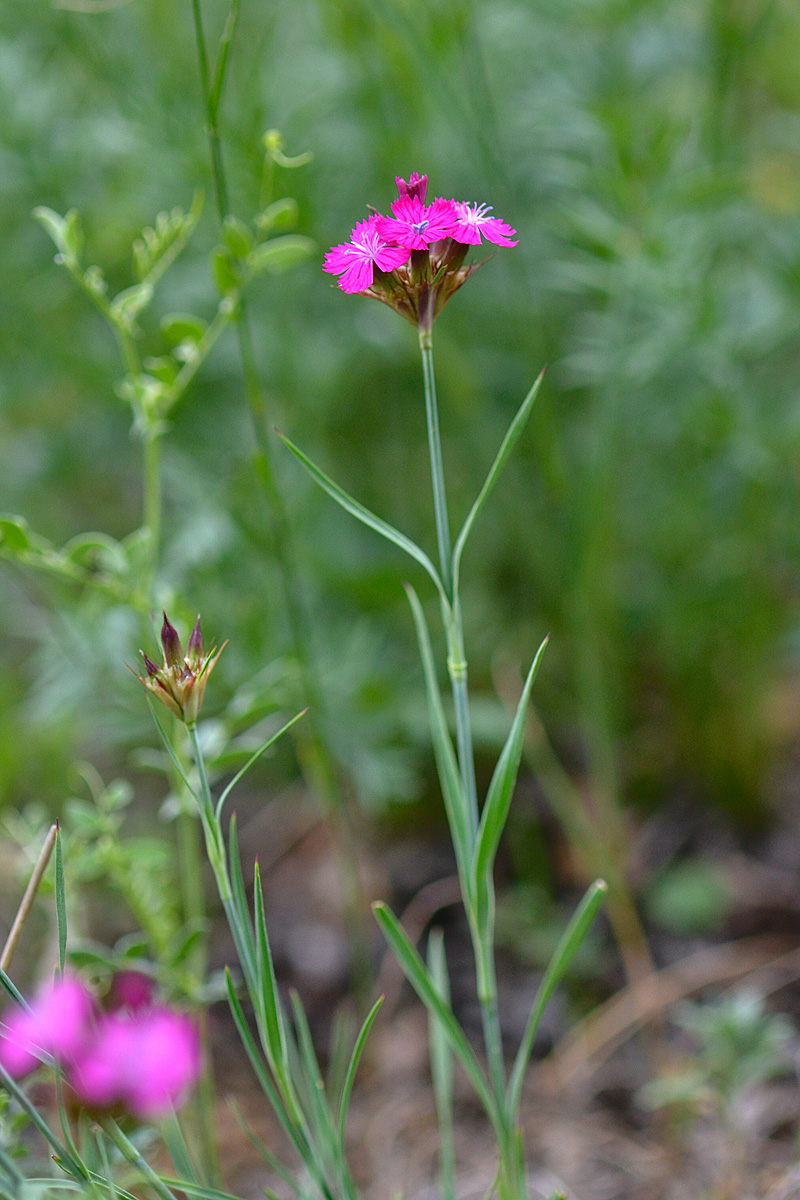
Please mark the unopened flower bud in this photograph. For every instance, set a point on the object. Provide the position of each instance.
(173, 650)
(417, 185)
(194, 649)
(180, 682)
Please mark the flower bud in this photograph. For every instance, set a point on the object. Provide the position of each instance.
(180, 682)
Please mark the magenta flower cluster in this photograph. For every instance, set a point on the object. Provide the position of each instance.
(414, 259)
(136, 1054)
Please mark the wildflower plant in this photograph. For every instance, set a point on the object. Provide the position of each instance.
(414, 261)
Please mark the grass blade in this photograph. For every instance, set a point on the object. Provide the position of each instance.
(276, 1047)
(254, 758)
(565, 951)
(449, 776)
(507, 445)
(239, 917)
(417, 975)
(498, 797)
(357, 510)
(75, 1169)
(13, 990)
(355, 1059)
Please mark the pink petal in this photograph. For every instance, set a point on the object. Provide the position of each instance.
(389, 258)
(358, 277)
(57, 1023)
(499, 232)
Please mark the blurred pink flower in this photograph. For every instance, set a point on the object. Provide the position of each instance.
(355, 260)
(414, 225)
(57, 1023)
(472, 220)
(146, 1060)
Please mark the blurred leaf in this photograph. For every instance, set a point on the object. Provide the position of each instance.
(280, 215)
(280, 254)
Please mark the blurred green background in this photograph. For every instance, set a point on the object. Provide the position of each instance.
(647, 153)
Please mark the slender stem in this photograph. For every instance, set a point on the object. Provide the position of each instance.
(26, 903)
(151, 507)
(437, 468)
(316, 756)
(457, 667)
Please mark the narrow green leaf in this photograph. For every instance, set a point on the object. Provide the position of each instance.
(417, 975)
(270, 1003)
(132, 1155)
(240, 923)
(175, 1142)
(507, 445)
(565, 951)
(498, 797)
(109, 1177)
(368, 518)
(318, 1100)
(12, 990)
(355, 1059)
(74, 1168)
(259, 1069)
(254, 758)
(447, 766)
(61, 902)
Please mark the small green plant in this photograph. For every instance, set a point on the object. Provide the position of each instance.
(738, 1044)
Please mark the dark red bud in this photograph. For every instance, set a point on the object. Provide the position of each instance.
(150, 666)
(173, 651)
(417, 185)
(194, 650)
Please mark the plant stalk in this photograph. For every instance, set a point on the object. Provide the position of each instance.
(317, 760)
(457, 669)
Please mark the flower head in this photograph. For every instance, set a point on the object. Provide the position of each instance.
(56, 1024)
(414, 260)
(472, 220)
(415, 225)
(180, 682)
(355, 260)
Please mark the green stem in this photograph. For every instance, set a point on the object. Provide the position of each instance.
(457, 668)
(152, 507)
(317, 758)
(437, 468)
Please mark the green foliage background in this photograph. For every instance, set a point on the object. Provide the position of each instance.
(647, 154)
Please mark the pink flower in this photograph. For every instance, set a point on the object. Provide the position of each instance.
(147, 1060)
(415, 226)
(56, 1024)
(472, 220)
(355, 260)
(417, 185)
